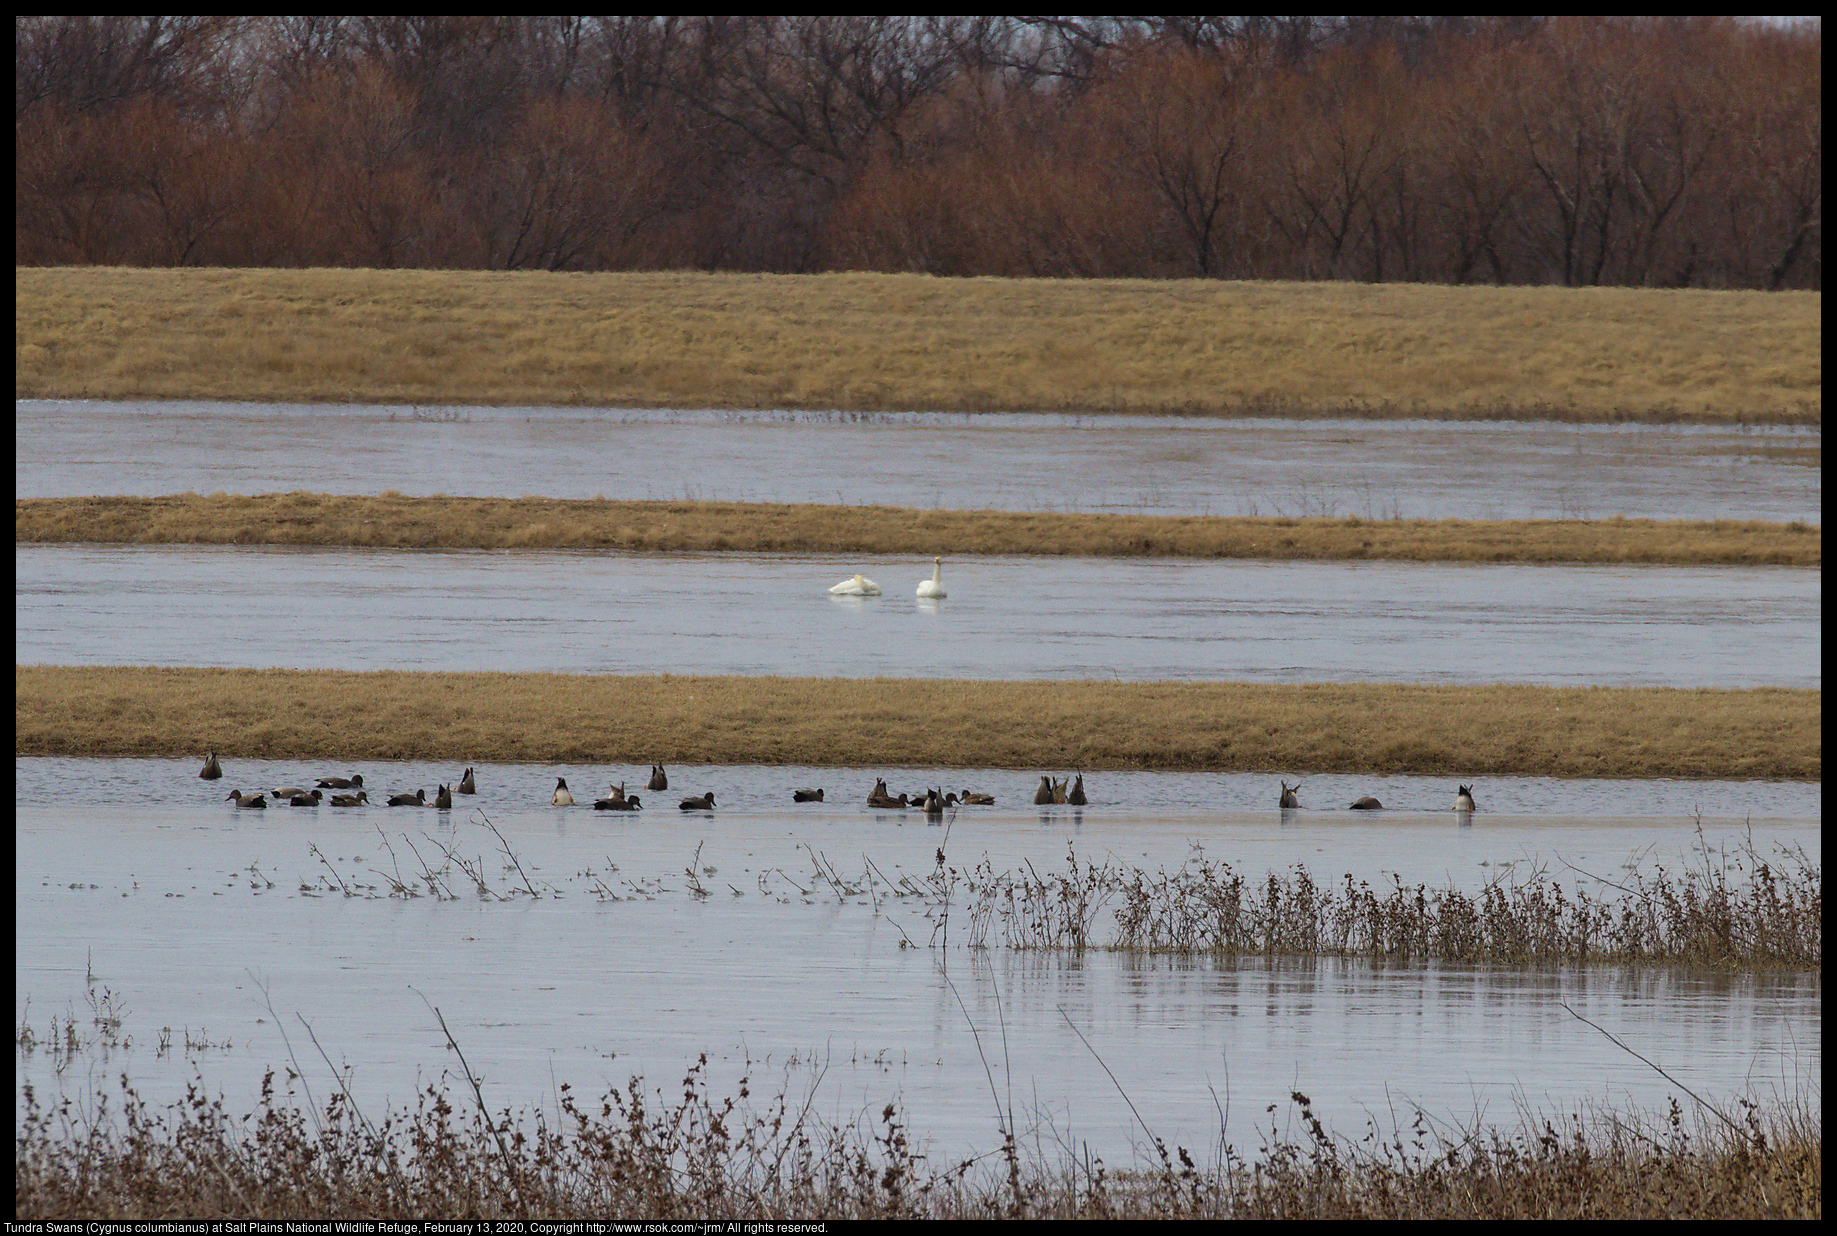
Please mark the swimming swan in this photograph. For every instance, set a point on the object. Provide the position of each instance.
(933, 587)
(860, 586)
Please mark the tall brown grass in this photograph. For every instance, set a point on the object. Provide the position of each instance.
(1736, 909)
(873, 722)
(887, 341)
(634, 1156)
(395, 521)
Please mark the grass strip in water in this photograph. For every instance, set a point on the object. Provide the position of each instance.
(399, 522)
(913, 342)
(1737, 910)
(867, 723)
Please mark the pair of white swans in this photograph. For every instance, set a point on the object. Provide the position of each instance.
(861, 586)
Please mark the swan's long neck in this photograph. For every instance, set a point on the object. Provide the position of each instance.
(937, 570)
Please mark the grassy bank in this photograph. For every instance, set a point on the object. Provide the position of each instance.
(692, 1154)
(395, 521)
(884, 342)
(865, 723)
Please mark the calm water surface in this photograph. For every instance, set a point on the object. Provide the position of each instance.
(134, 880)
(1005, 618)
(139, 888)
(1147, 465)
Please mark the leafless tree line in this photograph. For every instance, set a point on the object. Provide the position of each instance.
(1574, 150)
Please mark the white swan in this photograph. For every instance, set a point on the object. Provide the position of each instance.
(860, 586)
(933, 587)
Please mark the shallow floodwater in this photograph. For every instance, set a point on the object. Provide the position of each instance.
(792, 944)
(1015, 462)
(139, 889)
(1005, 618)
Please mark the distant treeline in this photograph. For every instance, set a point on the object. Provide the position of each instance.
(1645, 151)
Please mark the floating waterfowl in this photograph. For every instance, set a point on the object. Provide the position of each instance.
(628, 803)
(306, 800)
(443, 799)
(616, 792)
(934, 587)
(466, 784)
(1368, 804)
(970, 798)
(659, 780)
(561, 797)
(859, 586)
(417, 799)
(1288, 795)
(807, 796)
(287, 791)
(1042, 797)
(1463, 799)
(212, 769)
(704, 803)
(1076, 797)
(353, 782)
(257, 799)
(358, 799)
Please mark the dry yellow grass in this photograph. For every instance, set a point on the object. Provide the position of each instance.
(395, 521)
(865, 723)
(872, 341)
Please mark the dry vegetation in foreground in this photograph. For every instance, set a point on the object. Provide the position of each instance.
(653, 1156)
(398, 522)
(904, 342)
(865, 723)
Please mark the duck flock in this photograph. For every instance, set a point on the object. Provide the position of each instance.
(933, 800)
(617, 798)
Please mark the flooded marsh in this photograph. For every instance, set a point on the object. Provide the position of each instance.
(810, 946)
(851, 958)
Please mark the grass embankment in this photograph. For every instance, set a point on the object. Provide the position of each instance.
(868, 723)
(692, 1154)
(904, 342)
(395, 521)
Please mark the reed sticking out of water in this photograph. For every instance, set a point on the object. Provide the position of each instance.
(393, 521)
(1743, 911)
(929, 723)
(643, 1156)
